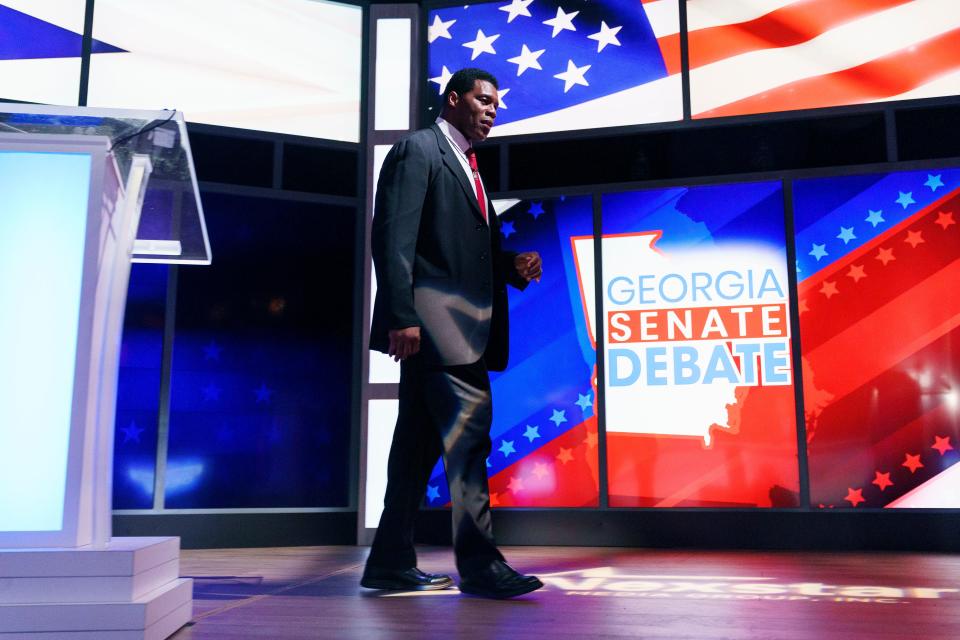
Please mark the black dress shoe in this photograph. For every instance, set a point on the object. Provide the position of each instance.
(498, 580)
(403, 580)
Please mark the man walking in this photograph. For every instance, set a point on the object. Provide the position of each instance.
(441, 310)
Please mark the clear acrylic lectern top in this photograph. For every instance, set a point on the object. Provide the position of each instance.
(172, 228)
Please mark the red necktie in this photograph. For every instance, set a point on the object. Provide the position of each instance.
(481, 199)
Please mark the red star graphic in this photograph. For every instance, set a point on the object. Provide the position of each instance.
(885, 256)
(944, 219)
(856, 272)
(942, 444)
(912, 462)
(854, 496)
(565, 456)
(515, 484)
(802, 306)
(914, 238)
(494, 499)
(882, 480)
(829, 289)
(591, 439)
(540, 470)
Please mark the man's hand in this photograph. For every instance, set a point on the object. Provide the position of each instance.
(404, 343)
(529, 265)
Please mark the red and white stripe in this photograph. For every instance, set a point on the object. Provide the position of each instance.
(755, 56)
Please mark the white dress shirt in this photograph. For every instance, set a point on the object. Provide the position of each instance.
(460, 145)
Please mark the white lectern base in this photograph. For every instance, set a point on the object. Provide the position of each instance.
(130, 590)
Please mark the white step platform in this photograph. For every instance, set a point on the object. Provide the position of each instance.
(129, 590)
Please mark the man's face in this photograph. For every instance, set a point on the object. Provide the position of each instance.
(473, 112)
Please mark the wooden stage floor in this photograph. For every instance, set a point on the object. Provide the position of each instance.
(313, 592)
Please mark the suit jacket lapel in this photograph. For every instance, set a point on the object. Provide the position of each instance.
(454, 165)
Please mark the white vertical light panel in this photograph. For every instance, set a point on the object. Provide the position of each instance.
(392, 91)
(381, 420)
(42, 237)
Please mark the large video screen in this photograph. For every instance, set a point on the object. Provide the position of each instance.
(544, 434)
(756, 56)
(40, 46)
(878, 266)
(564, 66)
(287, 66)
(699, 385)
(260, 385)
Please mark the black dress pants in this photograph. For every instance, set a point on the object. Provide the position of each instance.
(443, 411)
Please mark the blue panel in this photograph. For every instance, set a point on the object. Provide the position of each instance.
(262, 361)
(24, 37)
(138, 389)
(43, 221)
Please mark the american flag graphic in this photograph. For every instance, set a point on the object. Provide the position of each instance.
(756, 56)
(564, 64)
(544, 436)
(579, 64)
(878, 260)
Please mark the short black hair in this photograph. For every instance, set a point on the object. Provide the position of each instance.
(463, 80)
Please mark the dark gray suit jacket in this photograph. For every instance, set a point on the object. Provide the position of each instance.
(439, 266)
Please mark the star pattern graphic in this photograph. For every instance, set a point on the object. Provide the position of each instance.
(573, 76)
(540, 471)
(536, 209)
(829, 289)
(506, 228)
(211, 392)
(912, 462)
(501, 95)
(131, 432)
(506, 448)
(584, 401)
(517, 8)
(527, 60)
(433, 493)
(934, 181)
(442, 79)
(885, 255)
(606, 35)
(481, 44)
(439, 29)
(856, 272)
(263, 393)
(212, 351)
(905, 199)
(532, 433)
(914, 238)
(818, 251)
(846, 234)
(515, 485)
(562, 22)
(558, 417)
(875, 217)
(854, 496)
(882, 480)
(591, 439)
(944, 219)
(565, 455)
(942, 444)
